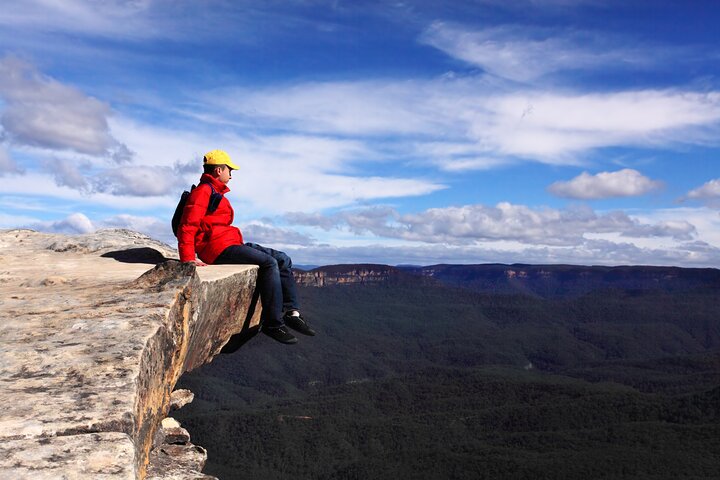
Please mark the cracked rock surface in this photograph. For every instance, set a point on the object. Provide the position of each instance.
(95, 331)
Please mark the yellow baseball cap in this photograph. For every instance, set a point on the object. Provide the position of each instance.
(219, 157)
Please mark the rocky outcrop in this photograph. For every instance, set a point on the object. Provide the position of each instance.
(93, 338)
(345, 274)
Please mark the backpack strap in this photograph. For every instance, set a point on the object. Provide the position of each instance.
(215, 197)
(213, 203)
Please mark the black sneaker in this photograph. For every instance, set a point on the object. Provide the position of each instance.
(296, 322)
(280, 334)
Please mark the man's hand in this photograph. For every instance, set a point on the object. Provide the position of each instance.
(198, 263)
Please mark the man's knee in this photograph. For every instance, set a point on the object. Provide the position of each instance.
(283, 260)
(269, 263)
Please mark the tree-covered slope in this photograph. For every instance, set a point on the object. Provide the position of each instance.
(415, 379)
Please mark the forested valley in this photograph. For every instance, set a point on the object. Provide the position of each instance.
(416, 378)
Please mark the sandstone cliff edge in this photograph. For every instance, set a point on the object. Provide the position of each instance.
(95, 331)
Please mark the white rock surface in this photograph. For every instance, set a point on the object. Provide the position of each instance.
(88, 350)
(95, 456)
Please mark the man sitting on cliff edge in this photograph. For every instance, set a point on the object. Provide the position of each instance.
(216, 241)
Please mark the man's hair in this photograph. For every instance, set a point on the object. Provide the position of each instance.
(209, 169)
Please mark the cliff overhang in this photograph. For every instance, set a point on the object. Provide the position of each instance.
(94, 338)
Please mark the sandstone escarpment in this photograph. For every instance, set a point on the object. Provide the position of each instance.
(345, 274)
(92, 341)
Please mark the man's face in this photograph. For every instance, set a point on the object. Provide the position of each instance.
(224, 173)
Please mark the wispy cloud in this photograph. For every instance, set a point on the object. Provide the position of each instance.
(371, 107)
(308, 173)
(183, 21)
(524, 53)
(124, 18)
(551, 126)
(489, 126)
(459, 156)
(623, 183)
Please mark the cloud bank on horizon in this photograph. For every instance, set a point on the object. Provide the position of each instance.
(537, 132)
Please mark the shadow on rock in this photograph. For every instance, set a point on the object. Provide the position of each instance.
(247, 332)
(137, 255)
(240, 339)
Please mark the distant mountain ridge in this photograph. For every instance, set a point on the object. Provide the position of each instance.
(534, 280)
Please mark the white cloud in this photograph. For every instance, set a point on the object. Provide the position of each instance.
(623, 183)
(708, 191)
(40, 111)
(72, 224)
(161, 145)
(589, 252)
(302, 172)
(473, 224)
(277, 172)
(78, 223)
(79, 173)
(705, 220)
(474, 123)
(466, 164)
(308, 191)
(525, 53)
(586, 249)
(556, 127)
(355, 108)
(459, 156)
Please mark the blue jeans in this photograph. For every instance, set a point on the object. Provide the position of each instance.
(275, 280)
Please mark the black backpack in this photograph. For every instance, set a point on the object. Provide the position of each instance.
(212, 205)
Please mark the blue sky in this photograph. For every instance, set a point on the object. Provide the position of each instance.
(537, 131)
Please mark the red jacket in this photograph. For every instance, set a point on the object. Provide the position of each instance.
(206, 234)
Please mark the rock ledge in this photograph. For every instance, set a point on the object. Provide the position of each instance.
(93, 338)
